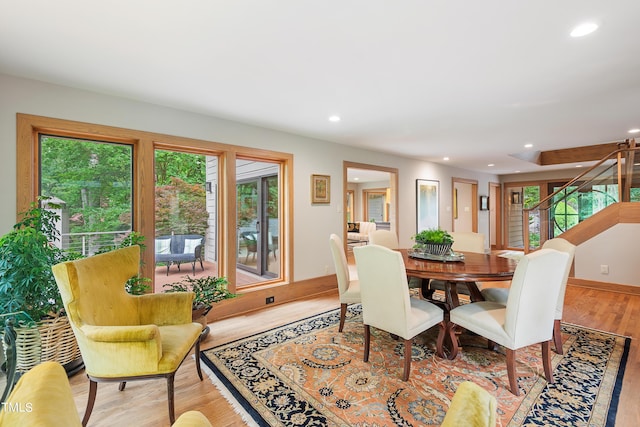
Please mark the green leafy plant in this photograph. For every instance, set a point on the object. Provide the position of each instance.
(433, 235)
(208, 289)
(136, 285)
(27, 253)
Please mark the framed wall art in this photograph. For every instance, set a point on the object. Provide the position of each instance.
(320, 189)
(427, 205)
(484, 203)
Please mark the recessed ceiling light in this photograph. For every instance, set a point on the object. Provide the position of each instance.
(584, 29)
(578, 166)
(446, 159)
(634, 130)
(528, 145)
(490, 164)
(356, 179)
(334, 118)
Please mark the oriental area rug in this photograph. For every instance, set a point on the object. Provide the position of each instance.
(307, 373)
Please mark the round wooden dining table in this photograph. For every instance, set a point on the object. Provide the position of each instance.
(474, 268)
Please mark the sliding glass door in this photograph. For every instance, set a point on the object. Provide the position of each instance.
(258, 225)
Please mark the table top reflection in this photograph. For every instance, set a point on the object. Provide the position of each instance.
(475, 268)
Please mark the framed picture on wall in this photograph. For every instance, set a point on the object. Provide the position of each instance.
(484, 203)
(427, 204)
(320, 189)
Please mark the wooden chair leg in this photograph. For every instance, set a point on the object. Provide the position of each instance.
(93, 389)
(442, 332)
(343, 315)
(367, 342)
(557, 336)
(172, 413)
(407, 359)
(546, 361)
(511, 371)
(197, 356)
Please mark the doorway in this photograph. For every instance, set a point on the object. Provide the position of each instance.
(370, 193)
(465, 205)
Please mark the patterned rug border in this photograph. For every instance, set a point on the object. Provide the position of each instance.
(252, 417)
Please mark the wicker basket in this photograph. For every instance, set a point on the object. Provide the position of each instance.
(439, 249)
(52, 339)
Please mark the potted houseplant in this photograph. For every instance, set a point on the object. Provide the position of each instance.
(27, 285)
(208, 290)
(433, 241)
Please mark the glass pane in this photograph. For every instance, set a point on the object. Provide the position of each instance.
(376, 207)
(185, 217)
(92, 182)
(519, 198)
(258, 221)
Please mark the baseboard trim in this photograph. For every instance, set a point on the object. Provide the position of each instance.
(605, 286)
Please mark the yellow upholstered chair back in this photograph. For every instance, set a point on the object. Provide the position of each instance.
(102, 298)
(43, 398)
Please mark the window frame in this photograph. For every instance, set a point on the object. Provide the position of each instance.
(144, 145)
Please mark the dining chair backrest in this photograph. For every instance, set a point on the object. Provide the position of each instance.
(467, 241)
(536, 282)
(385, 238)
(340, 263)
(562, 245)
(383, 288)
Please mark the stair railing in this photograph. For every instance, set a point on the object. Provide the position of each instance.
(616, 168)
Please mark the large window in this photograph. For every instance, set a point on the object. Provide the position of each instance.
(111, 181)
(92, 182)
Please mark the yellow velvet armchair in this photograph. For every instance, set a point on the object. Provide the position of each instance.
(123, 337)
(43, 398)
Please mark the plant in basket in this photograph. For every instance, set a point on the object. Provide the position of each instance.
(434, 241)
(27, 285)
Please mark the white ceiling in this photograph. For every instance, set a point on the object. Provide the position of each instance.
(473, 81)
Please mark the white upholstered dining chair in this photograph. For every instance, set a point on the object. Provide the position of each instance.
(386, 303)
(348, 288)
(385, 238)
(500, 295)
(526, 319)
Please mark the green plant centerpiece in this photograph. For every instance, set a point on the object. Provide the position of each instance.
(434, 241)
(208, 290)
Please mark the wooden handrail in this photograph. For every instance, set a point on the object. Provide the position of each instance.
(629, 151)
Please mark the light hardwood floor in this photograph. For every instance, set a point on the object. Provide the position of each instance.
(144, 403)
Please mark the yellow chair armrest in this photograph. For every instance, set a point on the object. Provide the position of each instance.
(171, 308)
(121, 333)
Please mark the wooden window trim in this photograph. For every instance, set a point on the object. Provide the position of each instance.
(29, 127)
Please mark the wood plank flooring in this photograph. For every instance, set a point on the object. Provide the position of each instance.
(144, 403)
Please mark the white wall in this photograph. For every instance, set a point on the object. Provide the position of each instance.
(311, 156)
(617, 248)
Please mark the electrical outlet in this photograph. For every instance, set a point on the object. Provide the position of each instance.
(270, 300)
(604, 269)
